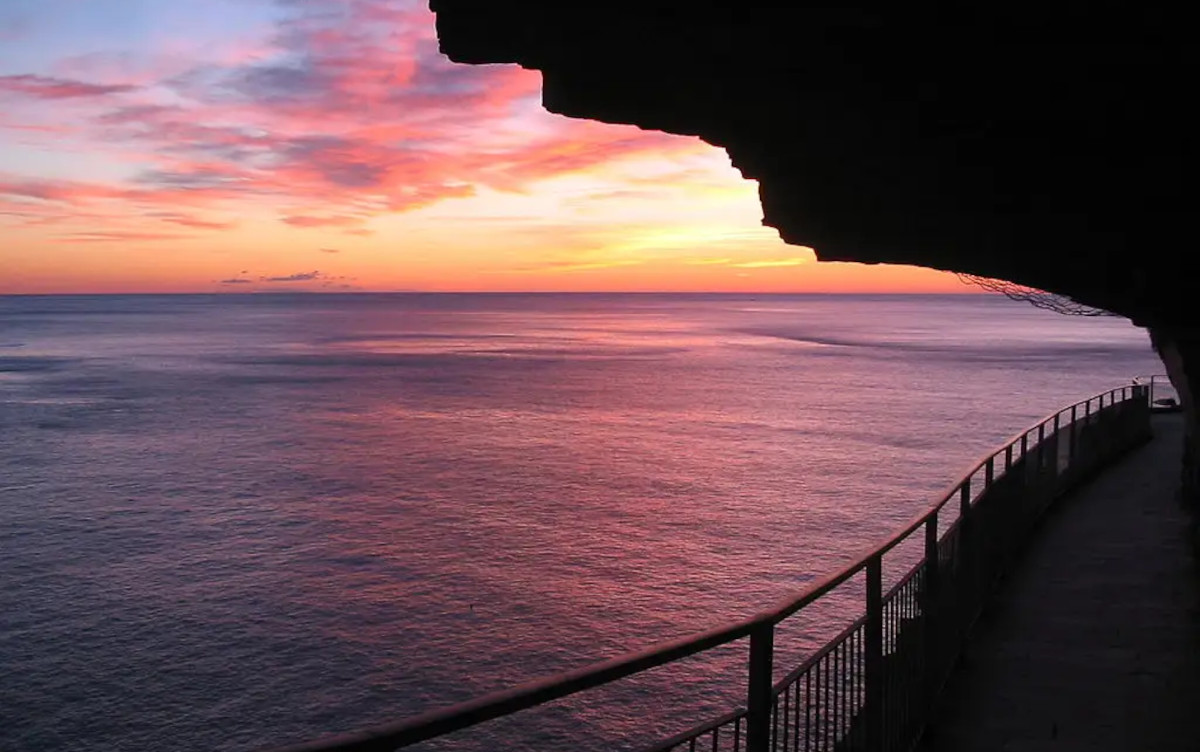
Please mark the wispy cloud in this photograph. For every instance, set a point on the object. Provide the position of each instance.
(196, 223)
(314, 280)
(300, 220)
(47, 87)
(573, 266)
(298, 277)
(119, 236)
(769, 263)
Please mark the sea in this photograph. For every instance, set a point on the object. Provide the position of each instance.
(239, 522)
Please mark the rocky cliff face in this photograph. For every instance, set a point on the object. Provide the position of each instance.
(1041, 145)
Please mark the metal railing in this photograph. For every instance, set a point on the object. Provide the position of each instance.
(1163, 396)
(872, 687)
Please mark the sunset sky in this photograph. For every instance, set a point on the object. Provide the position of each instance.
(247, 145)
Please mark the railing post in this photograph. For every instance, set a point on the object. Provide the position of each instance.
(932, 608)
(985, 532)
(964, 501)
(1083, 429)
(1105, 437)
(758, 696)
(1074, 435)
(966, 588)
(874, 678)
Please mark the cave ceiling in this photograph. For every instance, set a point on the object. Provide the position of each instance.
(1044, 146)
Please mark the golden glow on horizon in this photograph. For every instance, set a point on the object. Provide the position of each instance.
(421, 176)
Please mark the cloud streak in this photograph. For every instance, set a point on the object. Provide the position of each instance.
(298, 277)
(48, 87)
(772, 263)
(301, 220)
(193, 222)
(308, 280)
(119, 236)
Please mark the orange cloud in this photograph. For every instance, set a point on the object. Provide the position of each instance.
(187, 220)
(301, 220)
(113, 236)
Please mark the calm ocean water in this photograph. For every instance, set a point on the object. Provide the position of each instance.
(230, 522)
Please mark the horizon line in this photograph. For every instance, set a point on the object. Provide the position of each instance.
(260, 293)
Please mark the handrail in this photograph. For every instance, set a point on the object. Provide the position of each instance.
(831, 581)
(527, 695)
(1169, 403)
(821, 653)
(733, 716)
(472, 712)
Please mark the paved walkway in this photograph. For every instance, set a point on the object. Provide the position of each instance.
(1093, 641)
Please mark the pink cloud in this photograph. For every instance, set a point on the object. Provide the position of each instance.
(7, 122)
(64, 191)
(46, 87)
(348, 107)
(189, 190)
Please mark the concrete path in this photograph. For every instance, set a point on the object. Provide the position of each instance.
(1093, 640)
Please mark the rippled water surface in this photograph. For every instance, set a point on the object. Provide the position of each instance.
(229, 522)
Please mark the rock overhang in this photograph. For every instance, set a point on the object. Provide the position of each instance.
(1040, 145)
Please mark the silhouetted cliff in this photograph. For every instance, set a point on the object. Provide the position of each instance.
(1043, 145)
